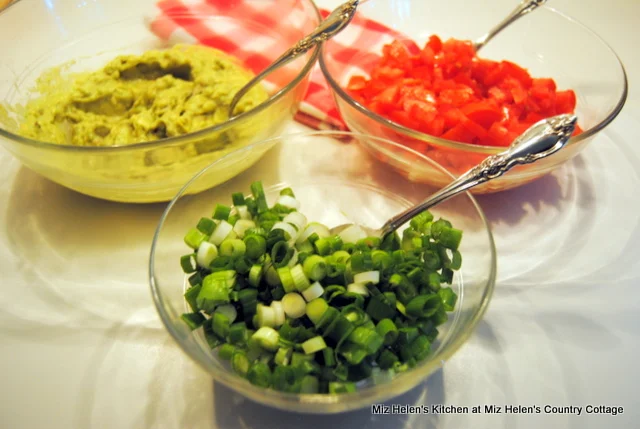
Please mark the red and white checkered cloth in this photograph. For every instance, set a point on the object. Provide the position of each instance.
(188, 21)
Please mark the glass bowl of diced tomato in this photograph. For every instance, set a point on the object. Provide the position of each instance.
(407, 71)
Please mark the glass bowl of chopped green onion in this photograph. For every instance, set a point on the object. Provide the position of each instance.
(251, 283)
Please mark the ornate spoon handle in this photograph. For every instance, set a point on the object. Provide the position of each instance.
(332, 25)
(541, 140)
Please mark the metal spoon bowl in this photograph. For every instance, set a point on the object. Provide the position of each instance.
(340, 18)
(541, 140)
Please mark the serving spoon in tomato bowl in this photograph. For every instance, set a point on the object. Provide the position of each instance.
(541, 140)
(338, 21)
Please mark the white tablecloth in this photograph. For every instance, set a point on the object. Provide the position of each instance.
(82, 347)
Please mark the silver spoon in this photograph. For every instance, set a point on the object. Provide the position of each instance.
(539, 141)
(340, 18)
(332, 25)
(525, 7)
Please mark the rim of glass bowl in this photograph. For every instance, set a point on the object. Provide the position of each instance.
(179, 139)
(400, 383)
(480, 148)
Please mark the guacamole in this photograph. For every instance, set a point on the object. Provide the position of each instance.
(133, 99)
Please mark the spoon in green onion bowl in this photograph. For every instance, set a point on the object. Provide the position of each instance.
(542, 139)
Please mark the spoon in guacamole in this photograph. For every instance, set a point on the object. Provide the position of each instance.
(542, 139)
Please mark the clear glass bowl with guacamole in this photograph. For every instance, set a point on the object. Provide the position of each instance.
(99, 101)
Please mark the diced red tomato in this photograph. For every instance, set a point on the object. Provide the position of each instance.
(565, 101)
(356, 83)
(447, 91)
(484, 113)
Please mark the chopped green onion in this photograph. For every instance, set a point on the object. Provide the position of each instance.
(420, 219)
(226, 351)
(359, 288)
(313, 345)
(316, 309)
(187, 263)
(259, 374)
(233, 248)
(248, 298)
(220, 324)
(266, 316)
(207, 252)
(305, 247)
(315, 267)
(288, 201)
(283, 356)
(328, 356)
(288, 191)
(294, 305)
(221, 212)
(267, 337)
(255, 275)
(448, 297)
(378, 308)
(297, 219)
(387, 359)
(450, 238)
(222, 231)
(309, 384)
(195, 279)
(272, 276)
(352, 234)
(278, 311)
(337, 387)
(354, 314)
(285, 379)
(214, 292)
(456, 260)
(361, 262)
(312, 292)
(286, 278)
(212, 339)
(191, 296)
(194, 238)
(313, 228)
(446, 276)
(300, 281)
(420, 347)
(339, 329)
(367, 277)
(258, 194)
(243, 264)
(423, 305)
(366, 338)
(206, 225)
(281, 254)
(229, 311)
(237, 333)
(237, 198)
(273, 283)
(290, 232)
(388, 331)
(240, 363)
(322, 246)
(193, 320)
(242, 226)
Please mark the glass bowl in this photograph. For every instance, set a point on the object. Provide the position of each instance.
(92, 33)
(546, 42)
(336, 183)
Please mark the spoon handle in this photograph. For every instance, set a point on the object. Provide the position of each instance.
(539, 141)
(329, 27)
(525, 7)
